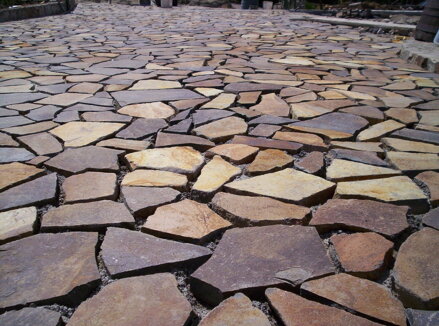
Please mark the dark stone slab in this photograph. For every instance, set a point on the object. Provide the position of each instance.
(145, 96)
(422, 317)
(141, 128)
(431, 219)
(267, 143)
(182, 127)
(357, 156)
(13, 154)
(30, 317)
(207, 115)
(16, 98)
(46, 112)
(417, 135)
(251, 87)
(168, 139)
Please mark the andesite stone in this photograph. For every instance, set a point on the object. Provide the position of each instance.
(17, 223)
(31, 317)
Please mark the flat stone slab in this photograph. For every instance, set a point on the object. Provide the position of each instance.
(431, 219)
(422, 317)
(90, 186)
(366, 157)
(416, 269)
(269, 160)
(168, 139)
(142, 128)
(93, 216)
(42, 190)
(42, 144)
(48, 268)
(155, 178)
(14, 173)
(343, 170)
(89, 158)
(13, 154)
(17, 223)
(246, 210)
(294, 310)
(30, 317)
(241, 264)
(129, 300)
(361, 215)
(147, 96)
(235, 310)
(360, 295)
(222, 129)
(289, 185)
(417, 135)
(413, 162)
(128, 252)
(186, 220)
(264, 143)
(235, 153)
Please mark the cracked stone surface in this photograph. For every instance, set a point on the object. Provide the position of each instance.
(139, 140)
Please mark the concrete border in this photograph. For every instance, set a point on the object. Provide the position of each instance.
(38, 10)
(423, 54)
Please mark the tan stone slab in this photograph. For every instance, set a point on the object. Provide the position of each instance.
(185, 220)
(153, 110)
(343, 170)
(356, 95)
(183, 159)
(17, 223)
(430, 118)
(378, 130)
(289, 185)
(13, 74)
(310, 96)
(85, 78)
(413, 161)
(361, 295)
(214, 175)
(222, 101)
(14, 173)
(125, 144)
(248, 97)
(155, 84)
(307, 110)
(269, 160)
(206, 91)
(273, 105)
(296, 61)
(236, 153)
(398, 101)
(222, 129)
(90, 186)
(313, 141)
(87, 88)
(31, 129)
(405, 116)
(65, 99)
(154, 178)
(403, 145)
(360, 146)
(78, 133)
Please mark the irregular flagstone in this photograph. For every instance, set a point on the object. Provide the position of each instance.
(185, 220)
(342, 170)
(128, 301)
(370, 113)
(93, 216)
(361, 215)
(295, 310)
(235, 310)
(422, 317)
(241, 264)
(31, 128)
(188, 104)
(42, 143)
(17, 223)
(30, 317)
(362, 254)
(431, 219)
(154, 110)
(288, 185)
(204, 116)
(208, 91)
(405, 116)
(90, 186)
(159, 95)
(17, 98)
(417, 135)
(222, 101)
(89, 158)
(431, 180)
(248, 97)
(430, 118)
(105, 116)
(222, 129)
(42, 190)
(378, 130)
(125, 144)
(263, 130)
(399, 190)
(360, 295)
(77, 134)
(65, 99)
(359, 146)
(246, 210)
(264, 143)
(155, 84)
(270, 119)
(46, 112)
(333, 125)
(410, 146)
(273, 105)
(310, 141)
(409, 162)
(143, 201)
(365, 157)
(6, 140)
(183, 127)
(398, 101)
(142, 128)
(235, 153)
(312, 163)
(251, 87)
(154, 178)
(183, 159)
(415, 271)
(168, 139)
(214, 175)
(6, 122)
(14, 173)
(128, 252)
(47, 268)
(269, 160)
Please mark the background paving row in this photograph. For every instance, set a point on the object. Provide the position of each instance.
(214, 167)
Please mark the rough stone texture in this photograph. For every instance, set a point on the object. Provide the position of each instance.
(92, 216)
(90, 186)
(17, 223)
(362, 254)
(422, 317)
(222, 129)
(273, 105)
(154, 178)
(31, 317)
(310, 141)
(155, 110)
(360, 295)
(312, 163)
(40, 191)
(268, 161)
(125, 144)
(245, 210)
(415, 272)
(42, 144)
(294, 310)
(288, 185)
(410, 146)
(236, 310)
(251, 259)
(129, 301)
(235, 153)
(186, 220)
(12, 154)
(412, 162)
(128, 252)
(431, 179)
(342, 170)
(378, 130)
(361, 215)
(183, 160)
(47, 268)
(264, 143)
(14, 173)
(432, 219)
(143, 201)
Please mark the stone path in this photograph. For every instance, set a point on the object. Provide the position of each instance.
(214, 167)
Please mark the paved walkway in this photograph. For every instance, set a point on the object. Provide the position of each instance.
(157, 163)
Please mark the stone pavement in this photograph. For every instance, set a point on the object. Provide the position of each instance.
(214, 167)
